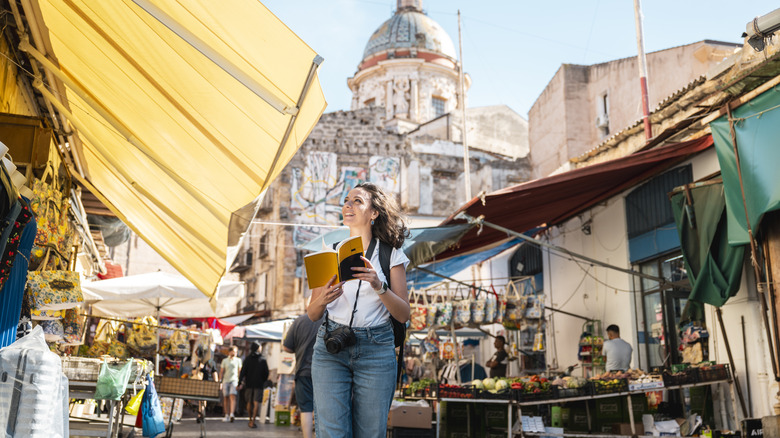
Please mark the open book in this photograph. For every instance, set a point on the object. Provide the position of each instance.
(323, 265)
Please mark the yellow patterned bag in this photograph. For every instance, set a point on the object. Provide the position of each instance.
(54, 290)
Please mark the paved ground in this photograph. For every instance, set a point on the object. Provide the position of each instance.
(188, 428)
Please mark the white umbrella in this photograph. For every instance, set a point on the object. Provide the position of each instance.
(161, 294)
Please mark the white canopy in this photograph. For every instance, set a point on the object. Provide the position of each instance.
(171, 294)
(267, 331)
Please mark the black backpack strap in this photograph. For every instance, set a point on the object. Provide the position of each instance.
(399, 329)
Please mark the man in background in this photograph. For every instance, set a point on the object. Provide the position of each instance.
(617, 351)
(253, 375)
(229, 370)
(300, 340)
(498, 361)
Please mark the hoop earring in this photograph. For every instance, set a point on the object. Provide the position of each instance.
(372, 222)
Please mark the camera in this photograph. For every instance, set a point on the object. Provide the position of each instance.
(339, 339)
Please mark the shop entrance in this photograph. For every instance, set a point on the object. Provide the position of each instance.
(661, 308)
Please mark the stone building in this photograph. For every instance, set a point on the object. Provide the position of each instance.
(403, 133)
(584, 105)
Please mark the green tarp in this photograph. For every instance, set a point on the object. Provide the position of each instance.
(758, 139)
(714, 267)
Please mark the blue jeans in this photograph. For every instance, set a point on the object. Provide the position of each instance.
(353, 389)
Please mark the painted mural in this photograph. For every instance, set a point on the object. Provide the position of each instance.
(318, 191)
(385, 172)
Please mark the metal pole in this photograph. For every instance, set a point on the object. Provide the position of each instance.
(731, 361)
(747, 376)
(480, 220)
(642, 61)
(466, 167)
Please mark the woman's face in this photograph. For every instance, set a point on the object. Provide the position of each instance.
(357, 208)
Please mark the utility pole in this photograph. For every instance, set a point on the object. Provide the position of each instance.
(642, 61)
(466, 168)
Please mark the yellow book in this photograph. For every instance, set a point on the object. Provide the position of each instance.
(323, 265)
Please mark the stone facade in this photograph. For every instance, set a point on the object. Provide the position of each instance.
(346, 147)
(583, 106)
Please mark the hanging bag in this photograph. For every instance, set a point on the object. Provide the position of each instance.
(444, 310)
(73, 326)
(490, 305)
(433, 310)
(515, 306)
(51, 203)
(117, 348)
(100, 343)
(151, 412)
(419, 312)
(177, 345)
(112, 380)
(134, 405)
(53, 290)
(478, 308)
(462, 309)
(500, 307)
(142, 339)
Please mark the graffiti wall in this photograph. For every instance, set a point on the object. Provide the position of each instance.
(318, 191)
(385, 172)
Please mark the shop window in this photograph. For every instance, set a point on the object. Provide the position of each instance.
(439, 106)
(659, 311)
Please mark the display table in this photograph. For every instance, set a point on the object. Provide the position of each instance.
(626, 394)
(509, 404)
(111, 427)
(189, 389)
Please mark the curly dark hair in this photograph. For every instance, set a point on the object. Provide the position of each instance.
(390, 225)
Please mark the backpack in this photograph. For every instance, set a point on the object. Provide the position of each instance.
(399, 328)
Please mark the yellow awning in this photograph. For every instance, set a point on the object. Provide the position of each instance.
(181, 110)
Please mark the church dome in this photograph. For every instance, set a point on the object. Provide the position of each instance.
(410, 29)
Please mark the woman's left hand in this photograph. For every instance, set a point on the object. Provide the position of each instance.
(368, 274)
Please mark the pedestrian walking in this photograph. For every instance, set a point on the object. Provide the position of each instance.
(253, 375)
(229, 370)
(300, 340)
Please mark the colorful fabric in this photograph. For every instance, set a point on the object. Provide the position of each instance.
(12, 291)
(54, 290)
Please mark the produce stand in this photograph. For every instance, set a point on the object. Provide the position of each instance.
(517, 398)
(189, 389)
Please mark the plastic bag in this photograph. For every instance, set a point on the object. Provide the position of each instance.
(112, 381)
(34, 384)
(151, 412)
(134, 405)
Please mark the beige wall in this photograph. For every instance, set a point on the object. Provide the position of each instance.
(562, 121)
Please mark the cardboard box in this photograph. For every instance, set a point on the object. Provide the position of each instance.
(625, 429)
(417, 417)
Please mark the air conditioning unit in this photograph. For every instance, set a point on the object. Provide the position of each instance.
(602, 121)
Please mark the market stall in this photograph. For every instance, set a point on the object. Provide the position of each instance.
(592, 400)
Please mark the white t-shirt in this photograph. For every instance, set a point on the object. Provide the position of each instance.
(370, 310)
(618, 354)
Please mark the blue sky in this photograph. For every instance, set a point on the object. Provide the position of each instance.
(512, 49)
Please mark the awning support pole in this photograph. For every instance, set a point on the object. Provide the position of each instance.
(731, 362)
(661, 281)
(216, 57)
(309, 79)
(754, 256)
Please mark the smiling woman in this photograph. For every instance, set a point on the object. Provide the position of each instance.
(354, 362)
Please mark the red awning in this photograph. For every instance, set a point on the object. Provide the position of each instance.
(551, 200)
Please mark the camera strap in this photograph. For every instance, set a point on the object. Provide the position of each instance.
(369, 253)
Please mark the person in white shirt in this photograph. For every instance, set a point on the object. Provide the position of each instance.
(354, 363)
(229, 370)
(617, 351)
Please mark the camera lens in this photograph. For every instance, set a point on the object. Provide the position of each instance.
(333, 345)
